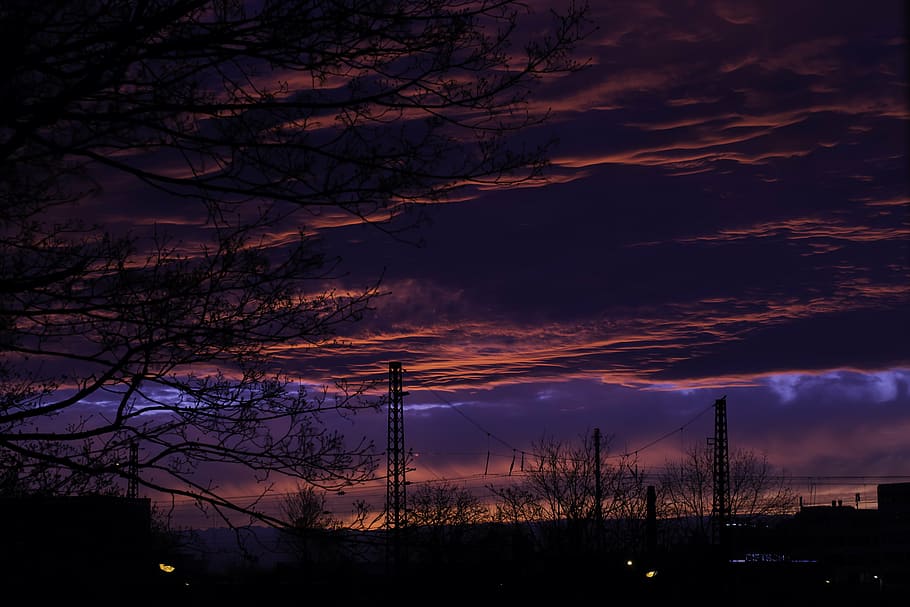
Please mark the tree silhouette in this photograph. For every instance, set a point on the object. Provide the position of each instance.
(305, 509)
(560, 488)
(311, 525)
(442, 517)
(254, 124)
(686, 491)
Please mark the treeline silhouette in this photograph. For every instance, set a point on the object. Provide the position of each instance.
(824, 552)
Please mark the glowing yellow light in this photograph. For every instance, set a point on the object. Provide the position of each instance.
(651, 573)
(629, 563)
(166, 568)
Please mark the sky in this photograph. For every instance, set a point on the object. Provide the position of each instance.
(726, 215)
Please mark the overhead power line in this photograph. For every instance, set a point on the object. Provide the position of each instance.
(631, 453)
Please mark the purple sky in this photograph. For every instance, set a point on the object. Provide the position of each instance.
(727, 215)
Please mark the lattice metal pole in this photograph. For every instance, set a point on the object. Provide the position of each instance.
(395, 487)
(720, 511)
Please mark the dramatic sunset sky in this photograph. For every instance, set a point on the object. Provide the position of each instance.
(727, 215)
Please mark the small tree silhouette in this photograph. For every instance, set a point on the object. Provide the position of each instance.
(445, 516)
(309, 521)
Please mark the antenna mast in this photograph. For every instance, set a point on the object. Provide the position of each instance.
(720, 510)
(395, 487)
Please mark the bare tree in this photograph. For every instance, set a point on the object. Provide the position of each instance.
(561, 488)
(516, 505)
(311, 525)
(625, 507)
(687, 491)
(246, 119)
(443, 504)
(305, 509)
(757, 488)
(444, 518)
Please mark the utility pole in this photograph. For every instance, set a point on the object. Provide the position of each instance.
(132, 488)
(651, 522)
(395, 486)
(720, 510)
(598, 488)
(598, 491)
